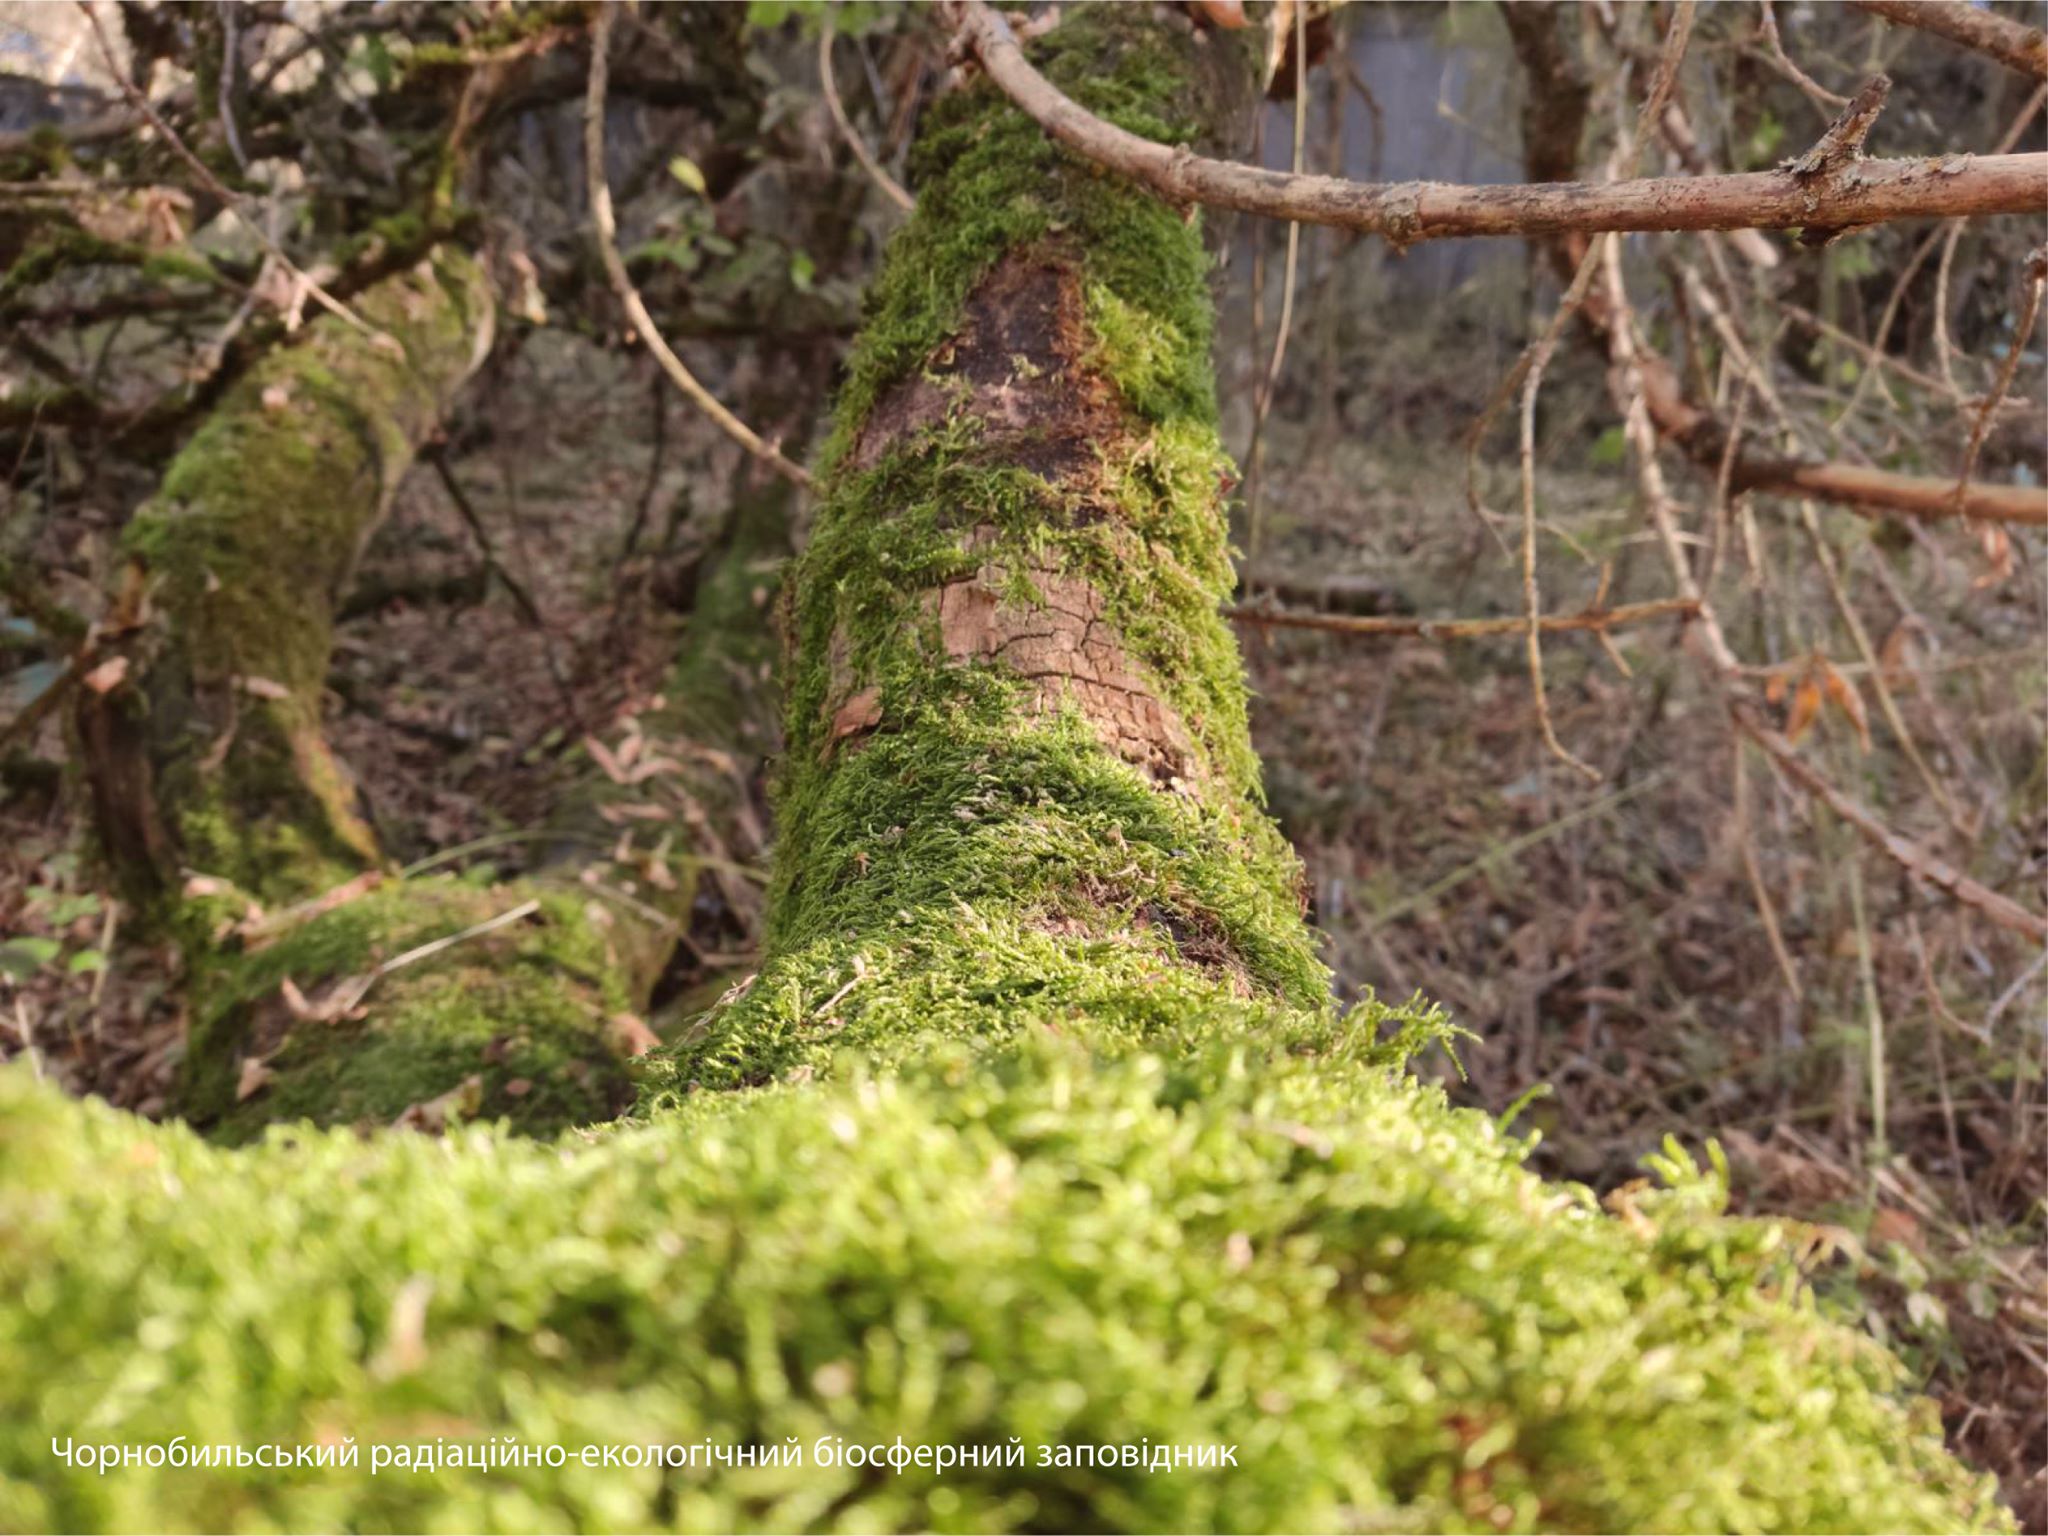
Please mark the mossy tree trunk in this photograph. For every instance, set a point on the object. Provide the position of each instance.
(209, 756)
(1020, 787)
(231, 825)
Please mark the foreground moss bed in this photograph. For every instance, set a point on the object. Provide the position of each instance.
(1260, 1233)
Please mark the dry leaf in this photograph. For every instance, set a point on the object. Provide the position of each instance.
(602, 756)
(862, 712)
(107, 676)
(338, 1003)
(264, 687)
(1845, 696)
(433, 1115)
(1805, 708)
(254, 1075)
(276, 398)
(1892, 656)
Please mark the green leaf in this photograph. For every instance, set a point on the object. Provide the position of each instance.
(684, 169)
(86, 962)
(23, 957)
(1611, 447)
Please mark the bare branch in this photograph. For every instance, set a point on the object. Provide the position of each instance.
(2022, 333)
(606, 226)
(2012, 43)
(219, 189)
(1864, 192)
(1629, 384)
(875, 169)
(1588, 621)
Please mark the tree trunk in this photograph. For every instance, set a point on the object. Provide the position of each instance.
(209, 757)
(228, 820)
(1020, 788)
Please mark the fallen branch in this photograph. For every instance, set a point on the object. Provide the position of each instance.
(2002, 910)
(1858, 193)
(2012, 43)
(606, 227)
(1594, 620)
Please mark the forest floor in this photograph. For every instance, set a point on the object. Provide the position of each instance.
(1603, 939)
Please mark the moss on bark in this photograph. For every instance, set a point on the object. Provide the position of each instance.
(212, 758)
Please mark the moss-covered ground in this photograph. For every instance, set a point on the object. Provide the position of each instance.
(1255, 1232)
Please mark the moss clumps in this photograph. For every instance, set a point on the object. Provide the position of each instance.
(978, 866)
(523, 1008)
(989, 181)
(1265, 1238)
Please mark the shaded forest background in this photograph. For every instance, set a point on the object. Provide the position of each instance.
(1689, 943)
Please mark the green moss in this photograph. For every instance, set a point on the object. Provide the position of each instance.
(1267, 1241)
(1037, 1126)
(972, 868)
(524, 1008)
(989, 181)
(58, 249)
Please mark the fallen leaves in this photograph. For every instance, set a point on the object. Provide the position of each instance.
(254, 1075)
(433, 1116)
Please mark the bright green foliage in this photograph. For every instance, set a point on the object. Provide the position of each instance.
(1260, 1236)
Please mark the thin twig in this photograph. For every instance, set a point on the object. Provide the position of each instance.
(875, 169)
(1766, 909)
(1263, 401)
(221, 190)
(1594, 620)
(1626, 381)
(606, 228)
(1823, 98)
(2030, 309)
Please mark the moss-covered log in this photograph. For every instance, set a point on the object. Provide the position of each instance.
(210, 758)
(230, 823)
(1037, 1130)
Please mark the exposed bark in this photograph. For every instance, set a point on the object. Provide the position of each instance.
(1863, 192)
(1554, 111)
